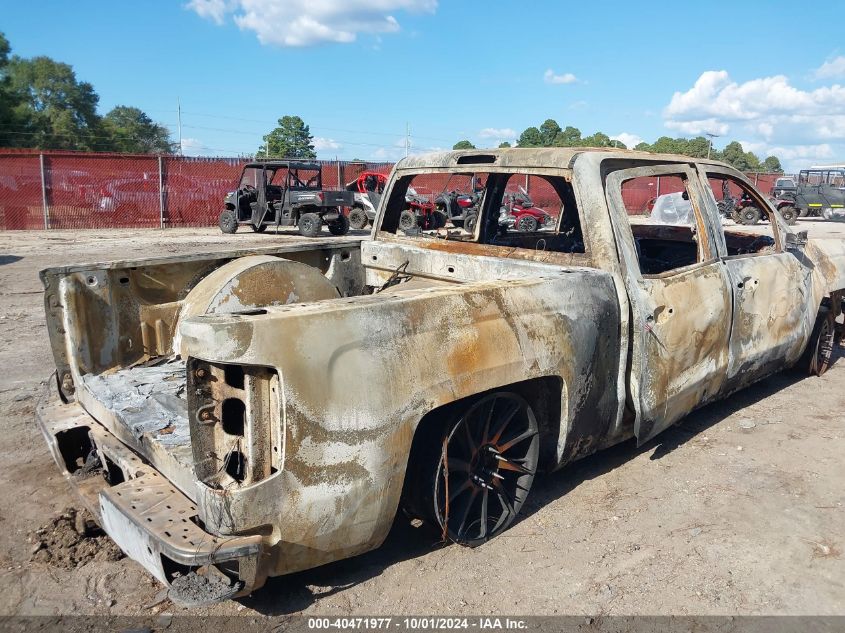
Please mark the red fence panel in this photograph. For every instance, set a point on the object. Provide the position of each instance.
(140, 191)
(102, 191)
(194, 188)
(21, 202)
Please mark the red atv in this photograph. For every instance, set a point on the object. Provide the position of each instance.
(518, 211)
(420, 212)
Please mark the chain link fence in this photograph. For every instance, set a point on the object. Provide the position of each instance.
(74, 190)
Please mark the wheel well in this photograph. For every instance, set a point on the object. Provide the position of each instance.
(542, 394)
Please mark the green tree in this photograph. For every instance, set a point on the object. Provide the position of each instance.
(463, 145)
(9, 118)
(599, 139)
(772, 165)
(698, 147)
(530, 137)
(569, 137)
(133, 132)
(549, 131)
(54, 109)
(504, 144)
(291, 139)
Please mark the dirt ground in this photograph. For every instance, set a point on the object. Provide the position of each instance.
(738, 510)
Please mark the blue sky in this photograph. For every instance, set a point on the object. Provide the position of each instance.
(357, 71)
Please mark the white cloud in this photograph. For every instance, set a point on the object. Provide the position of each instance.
(309, 22)
(550, 77)
(798, 126)
(714, 95)
(193, 147)
(630, 140)
(214, 10)
(497, 133)
(831, 69)
(704, 126)
(322, 144)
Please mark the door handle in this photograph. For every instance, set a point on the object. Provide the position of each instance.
(741, 284)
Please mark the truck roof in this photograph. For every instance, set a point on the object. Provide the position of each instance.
(531, 157)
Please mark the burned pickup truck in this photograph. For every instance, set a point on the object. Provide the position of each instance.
(239, 415)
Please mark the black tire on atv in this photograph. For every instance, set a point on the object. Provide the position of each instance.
(339, 226)
(816, 357)
(470, 222)
(310, 224)
(228, 222)
(407, 221)
(358, 218)
(526, 224)
(750, 216)
(258, 229)
(789, 214)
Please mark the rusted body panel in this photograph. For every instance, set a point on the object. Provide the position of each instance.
(281, 391)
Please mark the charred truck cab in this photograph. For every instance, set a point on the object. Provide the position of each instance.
(285, 193)
(209, 409)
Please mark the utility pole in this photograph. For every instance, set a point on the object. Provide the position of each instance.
(711, 136)
(179, 122)
(407, 138)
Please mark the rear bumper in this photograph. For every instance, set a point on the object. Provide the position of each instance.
(149, 518)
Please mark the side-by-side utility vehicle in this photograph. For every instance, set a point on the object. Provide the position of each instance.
(285, 193)
(209, 409)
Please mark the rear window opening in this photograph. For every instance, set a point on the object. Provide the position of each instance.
(516, 211)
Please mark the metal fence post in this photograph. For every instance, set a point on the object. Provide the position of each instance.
(44, 193)
(339, 176)
(527, 188)
(160, 193)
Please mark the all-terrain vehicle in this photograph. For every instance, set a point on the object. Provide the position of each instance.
(743, 210)
(419, 211)
(518, 211)
(819, 192)
(366, 189)
(285, 193)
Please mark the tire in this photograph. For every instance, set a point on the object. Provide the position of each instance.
(817, 356)
(439, 219)
(749, 216)
(228, 222)
(358, 218)
(492, 452)
(789, 214)
(339, 226)
(258, 229)
(526, 224)
(310, 224)
(470, 222)
(827, 213)
(407, 221)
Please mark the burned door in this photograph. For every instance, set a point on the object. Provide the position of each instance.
(681, 302)
(770, 288)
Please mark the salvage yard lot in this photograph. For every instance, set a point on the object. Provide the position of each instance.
(737, 510)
